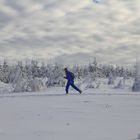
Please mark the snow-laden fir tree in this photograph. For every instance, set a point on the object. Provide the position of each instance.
(111, 79)
(55, 75)
(121, 84)
(4, 72)
(93, 73)
(26, 76)
(26, 80)
(136, 85)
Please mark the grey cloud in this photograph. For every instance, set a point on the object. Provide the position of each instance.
(72, 28)
(14, 5)
(4, 19)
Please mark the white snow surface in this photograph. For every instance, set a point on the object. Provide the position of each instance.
(51, 115)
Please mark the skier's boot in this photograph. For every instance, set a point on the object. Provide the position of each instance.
(80, 91)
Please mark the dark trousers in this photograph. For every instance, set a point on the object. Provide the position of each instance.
(71, 83)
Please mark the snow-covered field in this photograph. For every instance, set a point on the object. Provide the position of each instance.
(52, 115)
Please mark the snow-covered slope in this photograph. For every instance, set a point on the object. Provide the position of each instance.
(52, 115)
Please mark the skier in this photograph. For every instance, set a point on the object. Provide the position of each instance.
(70, 77)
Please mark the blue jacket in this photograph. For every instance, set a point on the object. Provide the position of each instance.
(69, 76)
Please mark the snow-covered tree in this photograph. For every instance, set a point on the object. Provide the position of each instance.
(29, 75)
(136, 85)
(55, 75)
(5, 72)
(121, 84)
(111, 79)
(26, 80)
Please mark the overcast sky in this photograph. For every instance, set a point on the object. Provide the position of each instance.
(73, 31)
